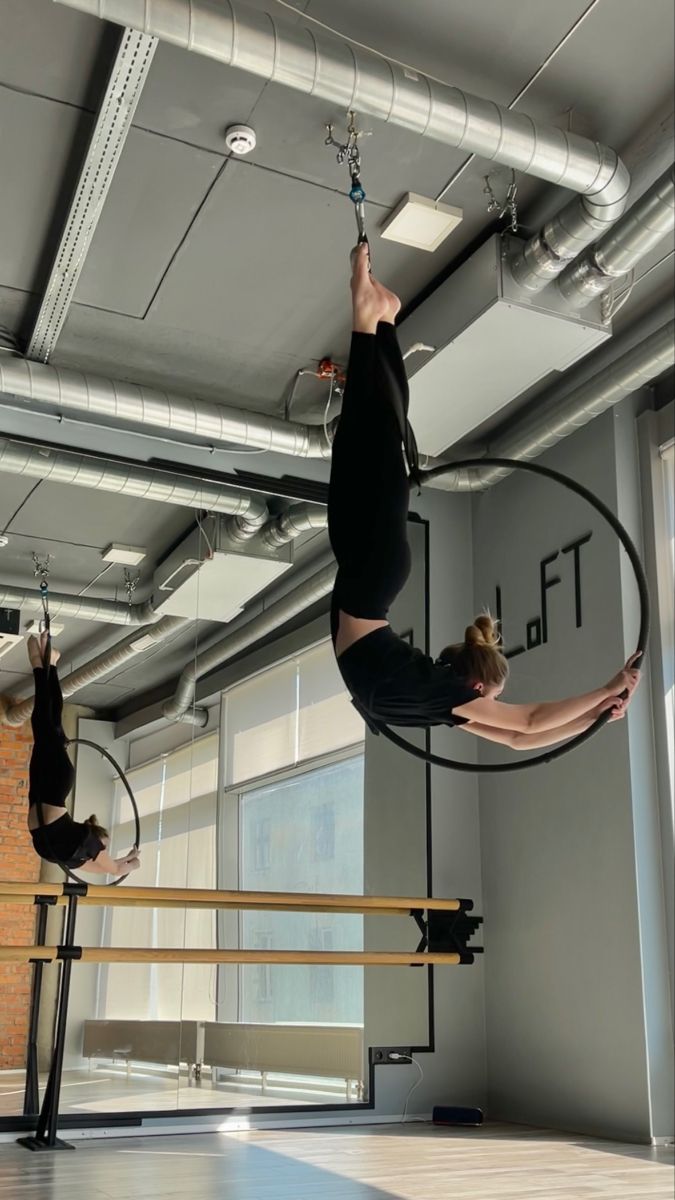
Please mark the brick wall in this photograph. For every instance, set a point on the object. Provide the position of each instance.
(18, 860)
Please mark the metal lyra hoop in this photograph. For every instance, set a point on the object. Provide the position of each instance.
(127, 786)
(510, 464)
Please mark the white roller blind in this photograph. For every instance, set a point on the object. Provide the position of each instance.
(292, 712)
(176, 797)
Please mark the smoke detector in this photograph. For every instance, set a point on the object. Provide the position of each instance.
(240, 139)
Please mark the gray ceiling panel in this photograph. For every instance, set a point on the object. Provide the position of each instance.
(194, 99)
(37, 137)
(162, 355)
(129, 253)
(48, 49)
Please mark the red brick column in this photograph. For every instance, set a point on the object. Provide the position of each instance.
(18, 861)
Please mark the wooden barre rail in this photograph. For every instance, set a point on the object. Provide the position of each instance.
(118, 900)
(118, 954)
(98, 894)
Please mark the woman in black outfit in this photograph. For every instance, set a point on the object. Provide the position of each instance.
(56, 836)
(374, 460)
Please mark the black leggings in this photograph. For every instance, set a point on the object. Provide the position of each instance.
(369, 486)
(51, 774)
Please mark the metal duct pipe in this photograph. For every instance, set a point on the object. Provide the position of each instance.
(75, 391)
(353, 78)
(313, 589)
(633, 370)
(83, 607)
(638, 231)
(136, 643)
(61, 466)
(290, 524)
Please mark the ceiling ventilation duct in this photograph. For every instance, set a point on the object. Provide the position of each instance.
(211, 577)
(492, 340)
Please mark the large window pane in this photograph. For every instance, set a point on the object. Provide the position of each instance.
(304, 834)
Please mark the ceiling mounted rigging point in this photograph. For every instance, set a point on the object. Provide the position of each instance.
(349, 152)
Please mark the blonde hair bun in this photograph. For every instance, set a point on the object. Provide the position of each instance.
(483, 632)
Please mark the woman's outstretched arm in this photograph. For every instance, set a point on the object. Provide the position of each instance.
(542, 718)
(104, 864)
(550, 737)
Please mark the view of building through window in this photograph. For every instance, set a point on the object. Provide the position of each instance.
(303, 834)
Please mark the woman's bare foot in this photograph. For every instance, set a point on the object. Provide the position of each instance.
(37, 649)
(371, 301)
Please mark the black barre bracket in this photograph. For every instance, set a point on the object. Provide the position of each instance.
(75, 888)
(448, 932)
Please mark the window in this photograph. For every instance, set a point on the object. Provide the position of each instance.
(262, 980)
(262, 844)
(323, 832)
(318, 808)
(291, 713)
(176, 797)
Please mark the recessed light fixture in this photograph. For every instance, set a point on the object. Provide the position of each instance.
(421, 222)
(129, 556)
(4, 540)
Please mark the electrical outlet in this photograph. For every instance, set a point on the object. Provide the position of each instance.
(382, 1054)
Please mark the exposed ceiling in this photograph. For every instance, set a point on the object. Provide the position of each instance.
(223, 277)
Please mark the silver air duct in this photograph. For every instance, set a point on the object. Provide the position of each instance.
(290, 524)
(117, 656)
(353, 78)
(638, 231)
(92, 395)
(633, 370)
(82, 607)
(61, 466)
(278, 613)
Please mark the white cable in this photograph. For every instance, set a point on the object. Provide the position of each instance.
(408, 1058)
(617, 302)
(325, 411)
(414, 349)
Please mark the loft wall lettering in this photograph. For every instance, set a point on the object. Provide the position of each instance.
(537, 628)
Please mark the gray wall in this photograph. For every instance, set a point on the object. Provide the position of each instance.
(568, 849)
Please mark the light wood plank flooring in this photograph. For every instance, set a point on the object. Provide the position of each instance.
(388, 1162)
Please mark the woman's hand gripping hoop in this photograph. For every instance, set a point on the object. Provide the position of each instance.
(643, 634)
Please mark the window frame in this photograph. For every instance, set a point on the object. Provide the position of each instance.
(655, 432)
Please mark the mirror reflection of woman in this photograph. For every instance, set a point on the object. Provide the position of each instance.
(57, 837)
(374, 461)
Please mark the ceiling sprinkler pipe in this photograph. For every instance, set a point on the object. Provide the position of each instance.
(152, 408)
(117, 656)
(649, 220)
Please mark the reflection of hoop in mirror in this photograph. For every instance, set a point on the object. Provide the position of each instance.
(509, 464)
(127, 786)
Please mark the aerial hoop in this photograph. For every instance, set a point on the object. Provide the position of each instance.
(439, 760)
(77, 741)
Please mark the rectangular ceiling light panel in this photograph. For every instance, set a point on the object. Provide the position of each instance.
(492, 342)
(421, 222)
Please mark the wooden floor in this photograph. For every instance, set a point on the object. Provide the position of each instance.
(388, 1162)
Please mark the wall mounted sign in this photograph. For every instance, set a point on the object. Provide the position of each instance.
(537, 628)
